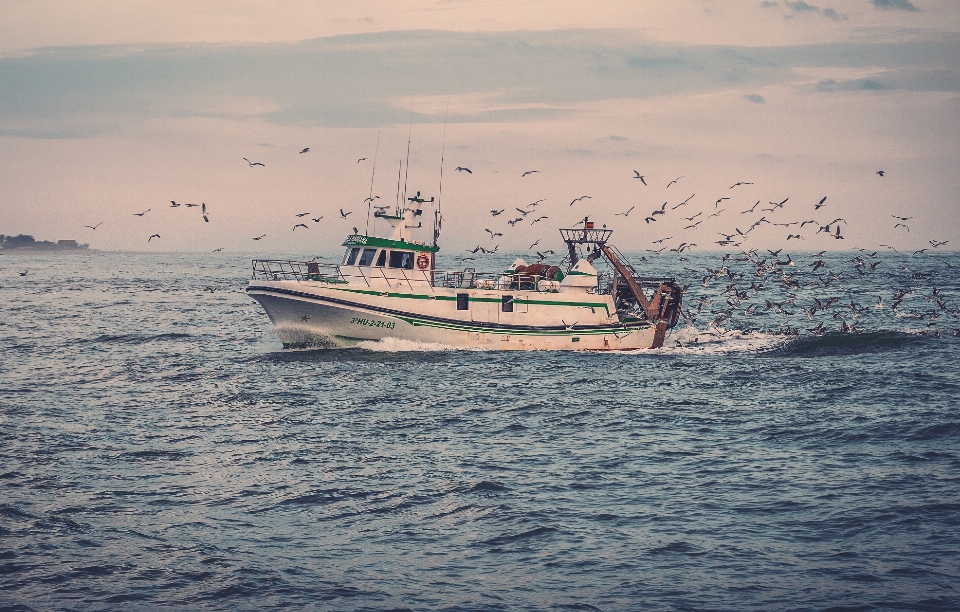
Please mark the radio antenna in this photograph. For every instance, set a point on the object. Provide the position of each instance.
(443, 146)
(407, 173)
(372, 174)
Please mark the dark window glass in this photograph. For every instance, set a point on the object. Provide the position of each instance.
(463, 301)
(382, 260)
(366, 258)
(401, 259)
(352, 256)
(507, 304)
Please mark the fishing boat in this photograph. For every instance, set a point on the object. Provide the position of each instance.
(391, 288)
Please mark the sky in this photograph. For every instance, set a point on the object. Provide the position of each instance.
(112, 108)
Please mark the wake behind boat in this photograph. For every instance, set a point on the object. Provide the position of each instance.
(390, 288)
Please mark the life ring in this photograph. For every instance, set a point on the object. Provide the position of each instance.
(423, 261)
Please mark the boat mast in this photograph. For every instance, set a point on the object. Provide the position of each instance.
(407, 173)
(372, 174)
(443, 146)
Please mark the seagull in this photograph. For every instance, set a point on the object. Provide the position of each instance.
(533, 245)
(694, 226)
(662, 240)
(372, 199)
(356, 231)
(152, 237)
(901, 218)
(684, 203)
(740, 183)
(539, 219)
(751, 209)
(837, 235)
(526, 173)
(496, 212)
(717, 213)
(260, 237)
(798, 236)
(304, 226)
(649, 219)
(306, 150)
(361, 159)
(880, 172)
(820, 204)
(191, 205)
(637, 176)
(302, 214)
(662, 210)
(24, 273)
(252, 164)
(217, 250)
(141, 214)
(673, 181)
(938, 243)
(522, 211)
(901, 225)
(344, 214)
(173, 204)
(920, 252)
(463, 169)
(626, 214)
(317, 220)
(693, 217)
(575, 200)
(720, 200)
(206, 218)
(570, 326)
(534, 203)
(93, 227)
(492, 234)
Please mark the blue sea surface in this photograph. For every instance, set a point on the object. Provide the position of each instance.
(160, 450)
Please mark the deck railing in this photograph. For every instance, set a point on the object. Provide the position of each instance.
(378, 277)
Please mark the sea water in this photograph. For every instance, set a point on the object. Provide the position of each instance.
(160, 450)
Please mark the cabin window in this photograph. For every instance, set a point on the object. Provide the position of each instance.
(350, 257)
(366, 258)
(463, 301)
(401, 259)
(382, 260)
(507, 304)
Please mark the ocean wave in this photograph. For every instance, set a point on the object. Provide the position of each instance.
(835, 344)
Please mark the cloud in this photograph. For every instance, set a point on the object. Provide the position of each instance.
(831, 85)
(800, 6)
(755, 98)
(768, 4)
(830, 13)
(368, 80)
(899, 5)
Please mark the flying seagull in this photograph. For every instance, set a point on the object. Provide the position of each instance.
(880, 172)
(173, 204)
(527, 172)
(316, 219)
(141, 214)
(740, 183)
(361, 159)
(302, 214)
(152, 237)
(218, 250)
(637, 176)
(820, 204)
(303, 225)
(344, 214)
(307, 150)
(626, 214)
(93, 227)
(252, 164)
(260, 237)
(673, 181)
(575, 200)
(463, 169)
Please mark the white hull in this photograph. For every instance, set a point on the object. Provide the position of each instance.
(320, 314)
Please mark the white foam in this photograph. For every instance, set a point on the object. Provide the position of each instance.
(719, 342)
